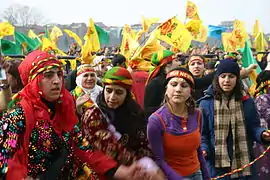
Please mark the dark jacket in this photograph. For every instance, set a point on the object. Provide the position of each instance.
(251, 121)
(154, 94)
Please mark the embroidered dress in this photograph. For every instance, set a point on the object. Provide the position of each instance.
(45, 146)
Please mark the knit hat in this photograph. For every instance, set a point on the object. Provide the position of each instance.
(118, 59)
(119, 76)
(162, 57)
(158, 60)
(181, 73)
(228, 66)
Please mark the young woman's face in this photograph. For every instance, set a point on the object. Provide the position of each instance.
(89, 80)
(114, 96)
(196, 66)
(178, 91)
(51, 84)
(227, 81)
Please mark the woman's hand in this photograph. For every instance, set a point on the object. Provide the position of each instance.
(158, 175)
(266, 135)
(80, 102)
(204, 153)
(82, 99)
(128, 172)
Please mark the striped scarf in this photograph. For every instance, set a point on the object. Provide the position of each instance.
(229, 116)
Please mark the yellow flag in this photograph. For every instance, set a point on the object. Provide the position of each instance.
(260, 44)
(203, 34)
(174, 33)
(128, 46)
(6, 29)
(256, 29)
(48, 45)
(73, 64)
(55, 34)
(128, 30)
(194, 27)
(74, 36)
(92, 36)
(63, 61)
(86, 53)
(33, 35)
(192, 11)
(146, 24)
(151, 46)
(228, 44)
(239, 34)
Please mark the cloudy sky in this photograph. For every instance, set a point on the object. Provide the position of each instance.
(119, 12)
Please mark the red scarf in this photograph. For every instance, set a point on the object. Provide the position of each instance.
(35, 110)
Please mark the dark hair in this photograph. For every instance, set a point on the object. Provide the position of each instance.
(13, 70)
(237, 91)
(118, 60)
(129, 117)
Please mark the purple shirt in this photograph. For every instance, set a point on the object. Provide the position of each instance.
(155, 130)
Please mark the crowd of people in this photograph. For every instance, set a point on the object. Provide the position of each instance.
(192, 117)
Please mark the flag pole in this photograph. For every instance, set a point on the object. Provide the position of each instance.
(186, 13)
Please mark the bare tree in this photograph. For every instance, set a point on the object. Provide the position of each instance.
(22, 15)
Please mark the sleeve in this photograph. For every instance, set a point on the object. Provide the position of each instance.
(12, 126)
(263, 108)
(205, 172)
(201, 158)
(253, 121)
(95, 159)
(153, 97)
(205, 132)
(155, 132)
(102, 138)
(204, 82)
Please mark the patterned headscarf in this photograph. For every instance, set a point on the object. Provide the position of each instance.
(31, 72)
(119, 76)
(79, 90)
(158, 60)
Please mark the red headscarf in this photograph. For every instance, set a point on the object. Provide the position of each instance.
(35, 110)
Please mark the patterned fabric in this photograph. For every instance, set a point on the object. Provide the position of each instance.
(80, 90)
(263, 88)
(263, 108)
(119, 76)
(100, 133)
(36, 110)
(44, 148)
(77, 92)
(181, 73)
(228, 116)
(84, 68)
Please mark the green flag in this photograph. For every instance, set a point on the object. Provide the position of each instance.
(26, 41)
(247, 57)
(47, 34)
(103, 36)
(10, 48)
